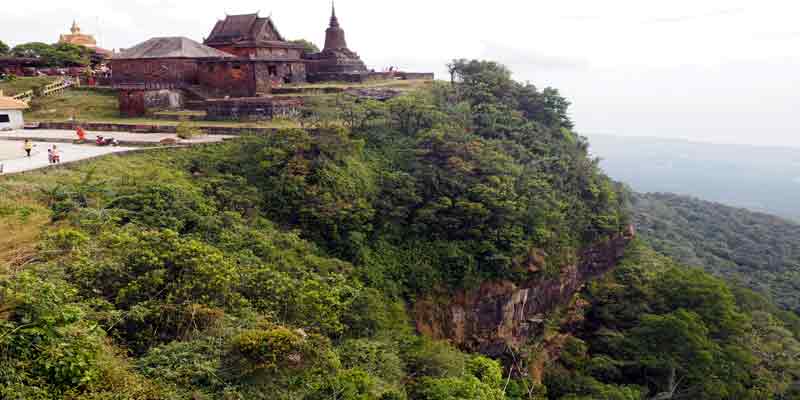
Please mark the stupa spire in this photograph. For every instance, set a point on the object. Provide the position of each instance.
(334, 20)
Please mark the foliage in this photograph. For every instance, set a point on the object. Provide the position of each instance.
(56, 55)
(660, 330)
(754, 250)
(186, 131)
(308, 46)
(4, 49)
(284, 266)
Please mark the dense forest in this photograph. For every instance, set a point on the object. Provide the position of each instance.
(284, 267)
(754, 250)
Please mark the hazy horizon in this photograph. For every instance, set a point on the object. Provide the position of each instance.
(720, 71)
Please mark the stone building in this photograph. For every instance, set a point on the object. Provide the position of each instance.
(233, 72)
(161, 63)
(261, 50)
(153, 74)
(336, 61)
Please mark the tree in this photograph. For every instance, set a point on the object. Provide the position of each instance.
(675, 347)
(4, 49)
(308, 46)
(58, 55)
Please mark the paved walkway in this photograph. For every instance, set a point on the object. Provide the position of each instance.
(12, 154)
(13, 159)
(124, 137)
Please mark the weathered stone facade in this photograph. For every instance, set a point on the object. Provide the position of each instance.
(247, 78)
(252, 109)
(154, 74)
(136, 103)
(264, 59)
(161, 63)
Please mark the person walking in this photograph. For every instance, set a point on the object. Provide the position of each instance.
(28, 147)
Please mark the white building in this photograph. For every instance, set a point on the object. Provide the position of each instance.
(11, 113)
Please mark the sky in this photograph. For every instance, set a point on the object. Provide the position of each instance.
(723, 71)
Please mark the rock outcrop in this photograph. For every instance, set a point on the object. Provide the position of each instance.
(502, 314)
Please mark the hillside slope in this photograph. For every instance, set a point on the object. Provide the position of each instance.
(292, 266)
(757, 250)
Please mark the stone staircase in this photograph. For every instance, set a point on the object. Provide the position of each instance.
(196, 97)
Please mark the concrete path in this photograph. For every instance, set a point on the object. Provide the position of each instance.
(125, 138)
(13, 159)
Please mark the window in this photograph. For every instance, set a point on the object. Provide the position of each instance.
(4, 118)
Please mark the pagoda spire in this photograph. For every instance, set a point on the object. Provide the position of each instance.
(334, 20)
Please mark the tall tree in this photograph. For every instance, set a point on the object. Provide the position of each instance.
(58, 55)
(308, 46)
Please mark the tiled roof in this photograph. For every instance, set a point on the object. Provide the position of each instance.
(244, 28)
(170, 47)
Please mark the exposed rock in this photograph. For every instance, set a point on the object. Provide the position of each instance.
(503, 314)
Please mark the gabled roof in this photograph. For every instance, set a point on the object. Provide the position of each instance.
(8, 103)
(170, 47)
(244, 28)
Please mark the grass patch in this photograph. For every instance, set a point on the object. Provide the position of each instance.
(80, 104)
(103, 107)
(24, 209)
(24, 84)
(182, 113)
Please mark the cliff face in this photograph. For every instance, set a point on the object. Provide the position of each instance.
(500, 314)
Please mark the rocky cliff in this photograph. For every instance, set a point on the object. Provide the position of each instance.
(502, 313)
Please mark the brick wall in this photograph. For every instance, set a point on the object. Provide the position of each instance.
(155, 73)
(131, 103)
(228, 78)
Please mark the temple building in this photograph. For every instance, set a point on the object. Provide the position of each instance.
(162, 63)
(257, 43)
(77, 38)
(336, 61)
(233, 74)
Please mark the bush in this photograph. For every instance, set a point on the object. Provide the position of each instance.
(188, 131)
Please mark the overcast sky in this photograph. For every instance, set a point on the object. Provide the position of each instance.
(710, 70)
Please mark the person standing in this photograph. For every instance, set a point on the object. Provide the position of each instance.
(28, 147)
(56, 155)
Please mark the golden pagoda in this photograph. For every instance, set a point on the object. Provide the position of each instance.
(78, 38)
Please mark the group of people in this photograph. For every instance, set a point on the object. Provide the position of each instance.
(53, 153)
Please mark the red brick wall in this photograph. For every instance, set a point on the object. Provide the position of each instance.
(160, 72)
(229, 78)
(131, 103)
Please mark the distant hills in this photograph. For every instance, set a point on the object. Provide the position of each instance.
(756, 250)
(757, 178)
